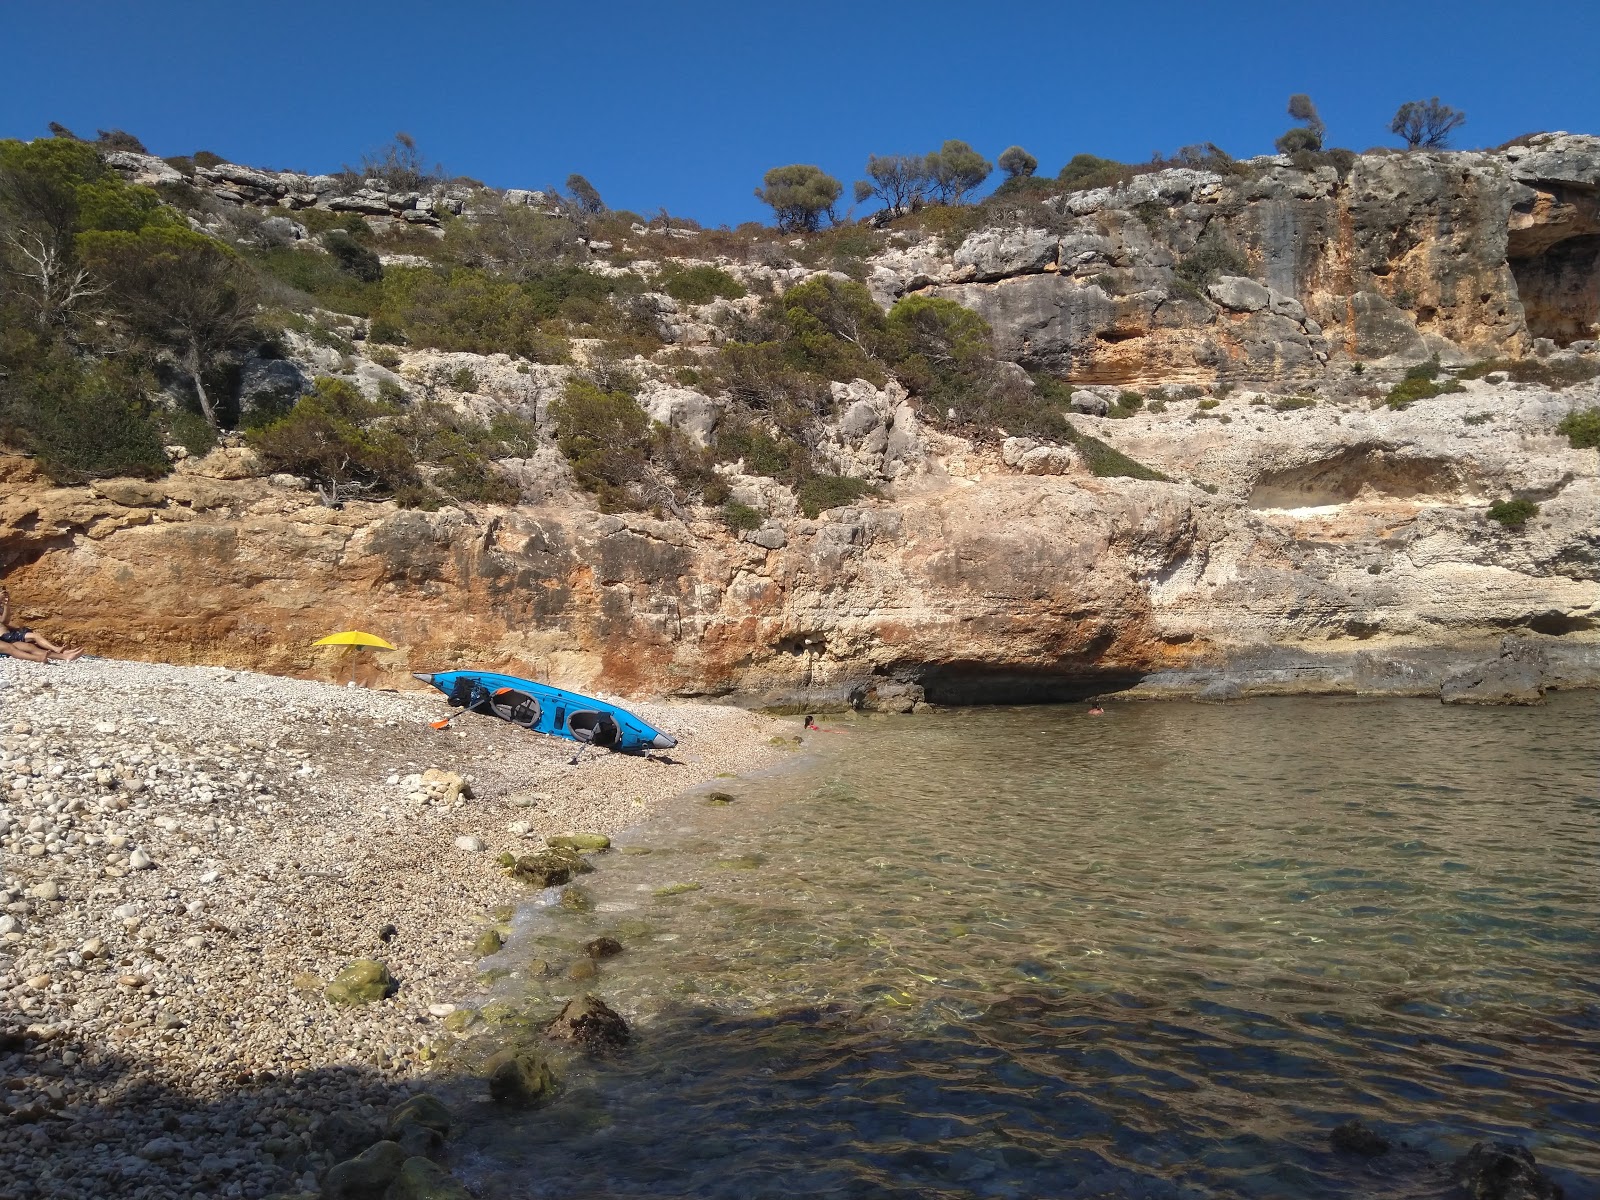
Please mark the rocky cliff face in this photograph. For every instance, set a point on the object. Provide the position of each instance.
(1406, 256)
(1329, 548)
(1310, 542)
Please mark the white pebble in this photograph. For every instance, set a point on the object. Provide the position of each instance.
(441, 1010)
(467, 842)
(140, 861)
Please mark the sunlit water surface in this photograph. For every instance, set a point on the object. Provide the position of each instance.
(1029, 952)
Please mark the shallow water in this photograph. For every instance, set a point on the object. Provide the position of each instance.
(1028, 952)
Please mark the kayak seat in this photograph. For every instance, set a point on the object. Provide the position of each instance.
(596, 728)
(517, 707)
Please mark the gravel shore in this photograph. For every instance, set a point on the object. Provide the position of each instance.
(187, 854)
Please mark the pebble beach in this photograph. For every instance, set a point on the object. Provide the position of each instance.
(188, 855)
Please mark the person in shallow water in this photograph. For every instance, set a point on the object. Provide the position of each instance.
(1095, 710)
(813, 727)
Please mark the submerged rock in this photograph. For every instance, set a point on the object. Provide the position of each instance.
(421, 1179)
(542, 870)
(520, 1077)
(368, 1176)
(675, 889)
(364, 981)
(587, 1021)
(602, 947)
(1352, 1137)
(1503, 1171)
(575, 899)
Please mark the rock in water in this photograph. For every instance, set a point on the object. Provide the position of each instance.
(1503, 1171)
(579, 841)
(550, 868)
(364, 981)
(488, 942)
(1516, 677)
(420, 1179)
(1352, 1137)
(368, 1176)
(519, 1077)
(602, 947)
(587, 1021)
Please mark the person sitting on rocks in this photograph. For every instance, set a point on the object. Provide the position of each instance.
(25, 643)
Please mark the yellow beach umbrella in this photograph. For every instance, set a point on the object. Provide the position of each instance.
(353, 637)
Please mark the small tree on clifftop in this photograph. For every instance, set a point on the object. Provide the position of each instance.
(585, 195)
(1017, 162)
(800, 195)
(1309, 134)
(899, 180)
(955, 170)
(1426, 124)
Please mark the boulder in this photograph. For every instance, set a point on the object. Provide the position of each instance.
(1219, 691)
(364, 981)
(1090, 404)
(1517, 676)
(519, 1077)
(421, 1125)
(269, 385)
(588, 1022)
(1503, 1171)
(1239, 294)
(422, 1179)
(998, 253)
(368, 1176)
(682, 408)
(131, 493)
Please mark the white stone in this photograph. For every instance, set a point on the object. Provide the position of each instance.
(467, 842)
(140, 861)
(441, 1010)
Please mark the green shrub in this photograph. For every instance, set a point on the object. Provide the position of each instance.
(1480, 419)
(818, 493)
(187, 428)
(1207, 405)
(1421, 382)
(604, 435)
(81, 420)
(1553, 375)
(1582, 428)
(1127, 404)
(1108, 462)
(353, 258)
(461, 309)
(1211, 258)
(320, 277)
(699, 284)
(1513, 514)
(762, 453)
(1291, 403)
(464, 379)
(741, 517)
(1086, 171)
(385, 356)
(329, 436)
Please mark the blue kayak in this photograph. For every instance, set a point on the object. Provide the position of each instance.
(546, 709)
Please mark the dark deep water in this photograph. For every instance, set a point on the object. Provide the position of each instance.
(1027, 952)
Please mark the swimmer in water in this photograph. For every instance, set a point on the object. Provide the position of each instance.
(1095, 710)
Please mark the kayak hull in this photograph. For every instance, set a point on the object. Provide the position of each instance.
(560, 713)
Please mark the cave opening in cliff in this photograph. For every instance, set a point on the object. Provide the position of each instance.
(1560, 289)
(972, 683)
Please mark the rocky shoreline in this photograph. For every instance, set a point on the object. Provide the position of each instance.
(190, 854)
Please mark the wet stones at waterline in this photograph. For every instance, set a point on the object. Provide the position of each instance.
(587, 1021)
(420, 1179)
(602, 947)
(421, 1125)
(1503, 1171)
(486, 943)
(582, 842)
(549, 868)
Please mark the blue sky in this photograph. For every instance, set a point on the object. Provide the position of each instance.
(685, 105)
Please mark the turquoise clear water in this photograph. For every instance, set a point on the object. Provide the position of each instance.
(1029, 952)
